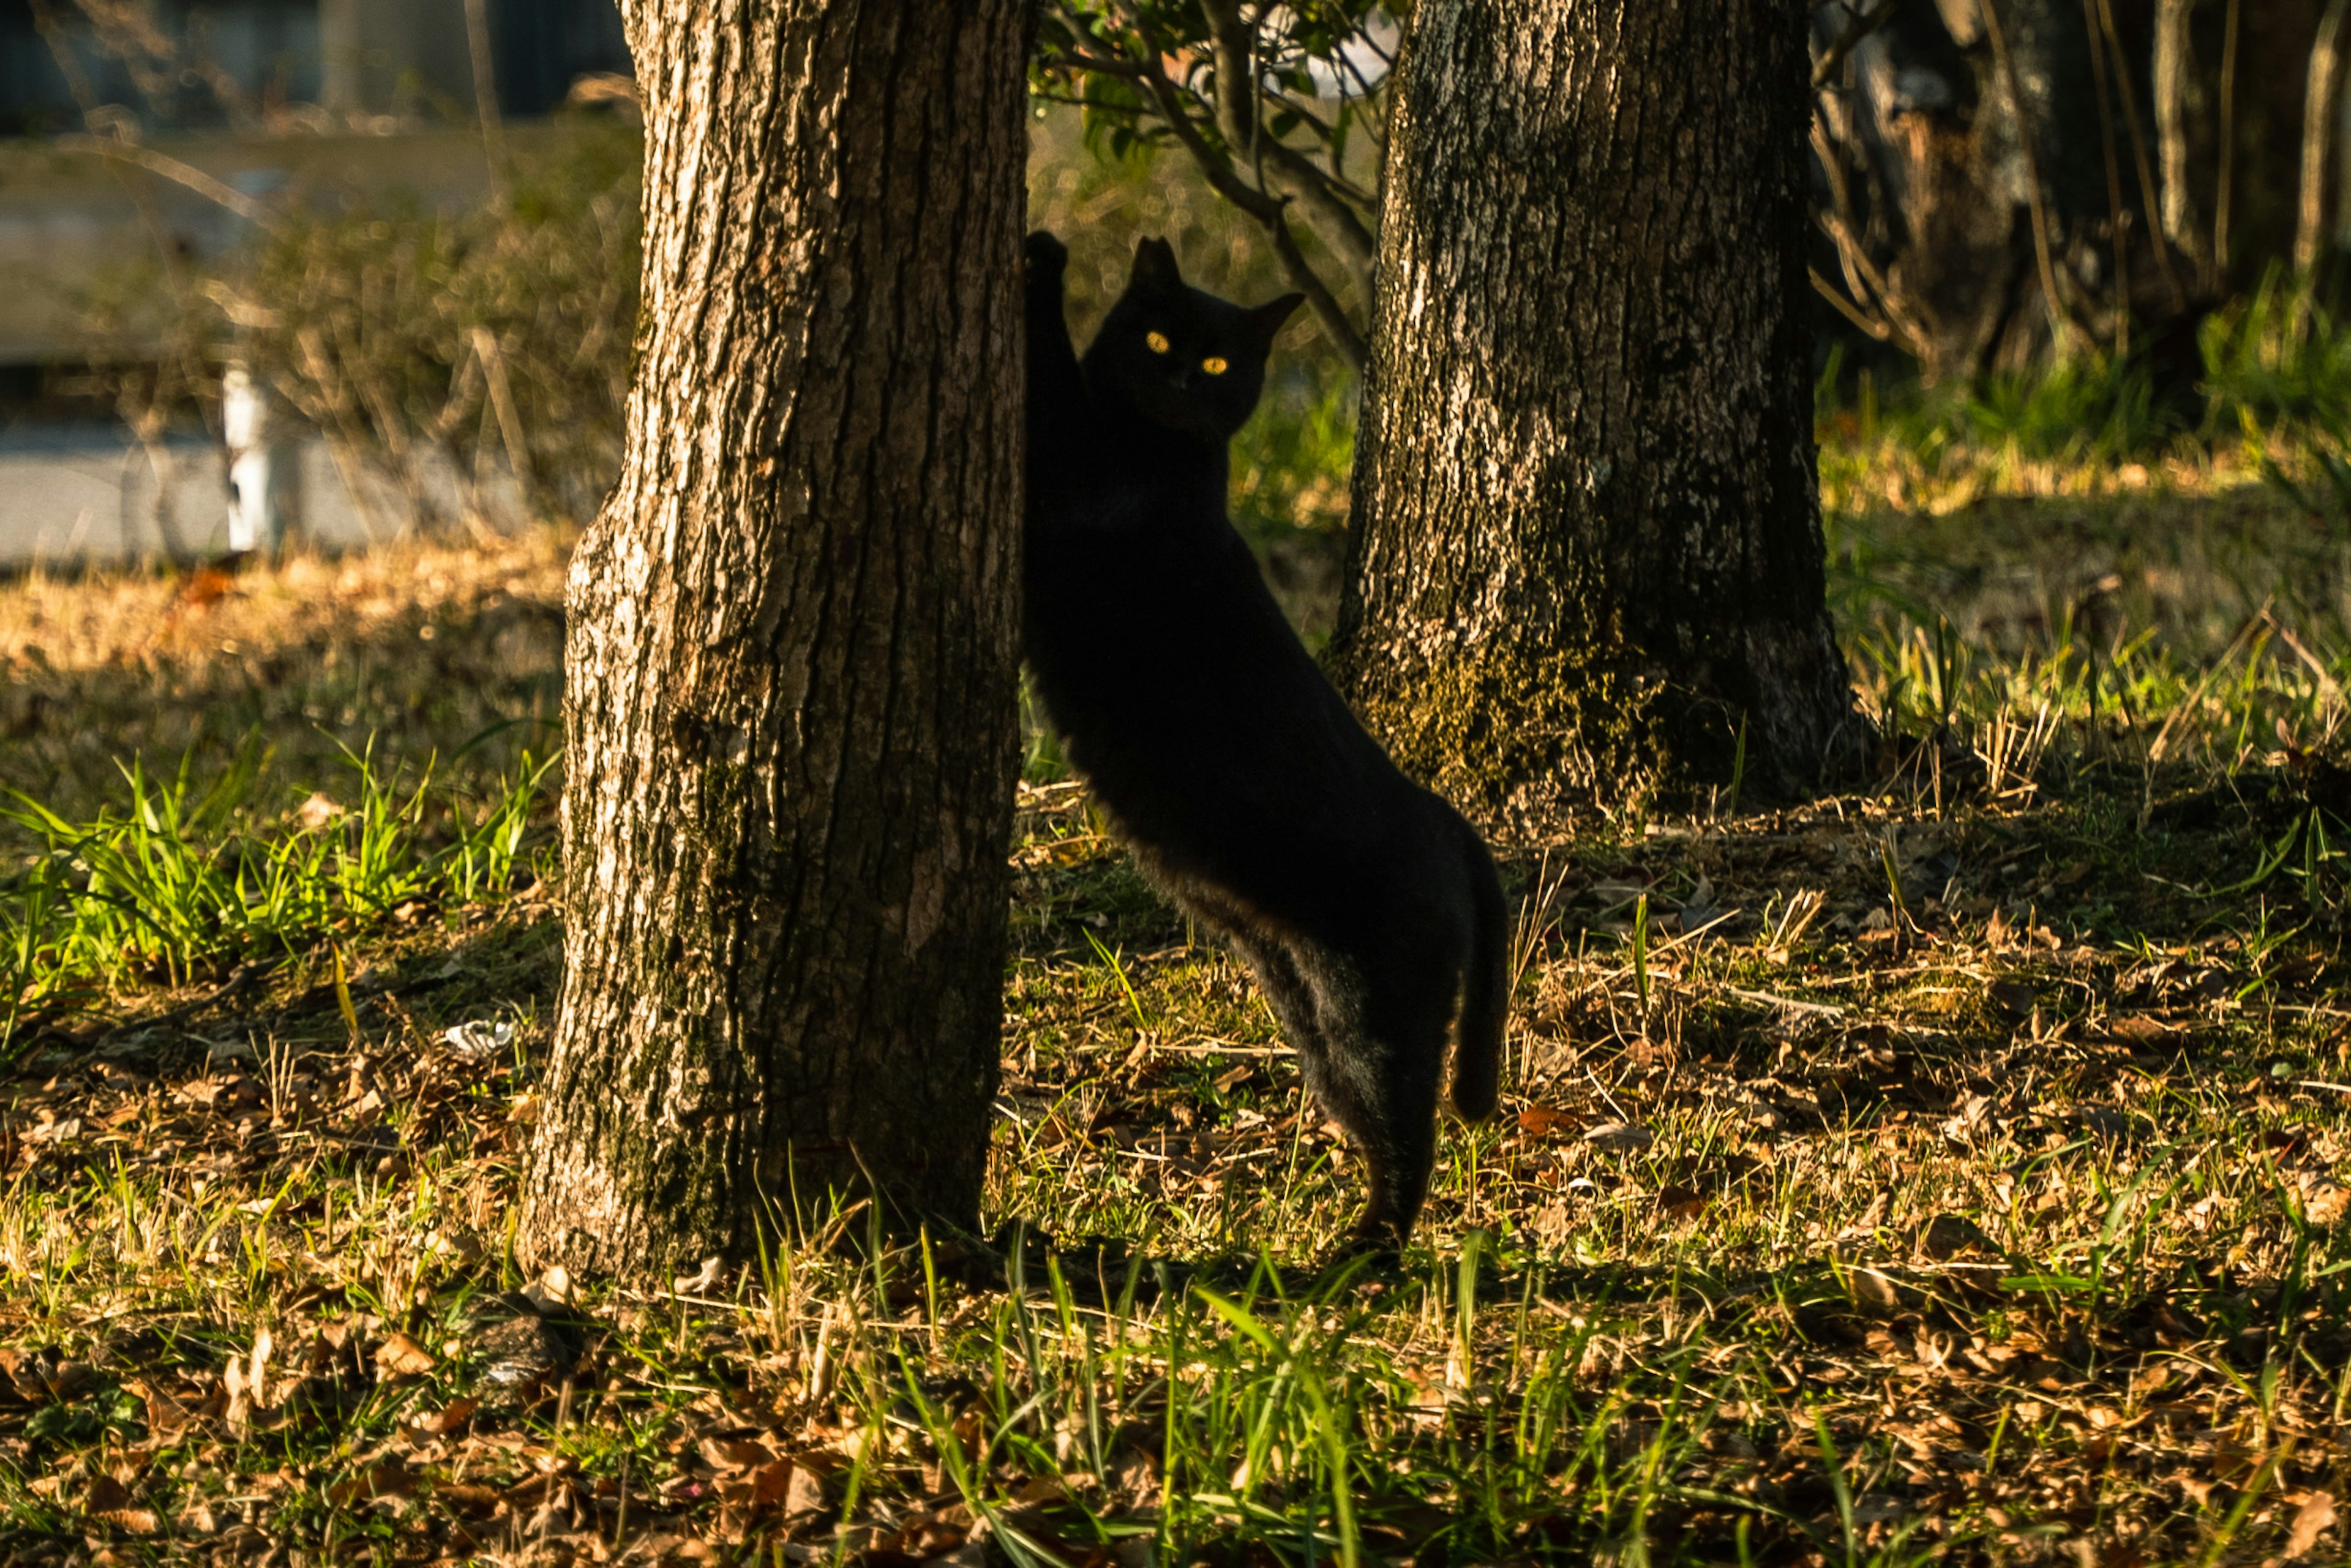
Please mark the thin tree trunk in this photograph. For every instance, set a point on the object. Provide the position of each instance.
(2317, 131)
(2149, 194)
(2118, 222)
(2224, 196)
(2173, 68)
(1588, 549)
(2061, 322)
(791, 667)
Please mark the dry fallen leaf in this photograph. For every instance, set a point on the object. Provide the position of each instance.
(400, 1356)
(1680, 1203)
(2313, 1518)
(736, 1453)
(1541, 1121)
(2140, 1030)
(1947, 1235)
(388, 1478)
(1873, 1288)
(206, 585)
(773, 1482)
(803, 1490)
(445, 1420)
(1620, 1138)
(459, 1249)
(702, 1281)
(551, 1289)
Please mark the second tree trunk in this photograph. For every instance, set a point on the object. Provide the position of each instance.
(1588, 553)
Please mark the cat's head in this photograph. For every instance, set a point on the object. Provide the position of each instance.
(1186, 360)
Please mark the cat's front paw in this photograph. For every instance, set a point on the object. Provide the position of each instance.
(1042, 257)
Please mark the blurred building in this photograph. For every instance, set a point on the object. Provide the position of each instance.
(190, 65)
(258, 95)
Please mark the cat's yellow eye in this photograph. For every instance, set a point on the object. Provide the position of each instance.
(1157, 340)
(1215, 365)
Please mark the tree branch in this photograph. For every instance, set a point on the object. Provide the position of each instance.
(1344, 188)
(1085, 61)
(1335, 220)
(1319, 299)
(1881, 331)
(1233, 47)
(2061, 320)
(1267, 209)
(1861, 27)
(1861, 276)
(154, 162)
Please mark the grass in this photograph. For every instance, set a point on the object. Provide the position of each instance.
(1948, 1170)
(171, 885)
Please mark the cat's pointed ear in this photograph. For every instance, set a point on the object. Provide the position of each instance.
(1267, 318)
(1155, 268)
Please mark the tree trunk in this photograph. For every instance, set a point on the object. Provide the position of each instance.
(1588, 551)
(792, 659)
(2175, 90)
(2318, 105)
(1974, 131)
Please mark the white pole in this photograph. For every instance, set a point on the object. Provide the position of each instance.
(261, 497)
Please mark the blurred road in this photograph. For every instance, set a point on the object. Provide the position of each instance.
(72, 493)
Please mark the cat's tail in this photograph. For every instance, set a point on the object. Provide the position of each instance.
(1485, 988)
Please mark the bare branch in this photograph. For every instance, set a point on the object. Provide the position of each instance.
(1257, 203)
(1340, 184)
(1087, 61)
(1861, 275)
(1280, 97)
(1864, 23)
(2118, 219)
(1335, 220)
(1328, 314)
(1364, 89)
(2318, 116)
(1881, 331)
(1083, 103)
(2148, 195)
(485, 98)
(169, 168)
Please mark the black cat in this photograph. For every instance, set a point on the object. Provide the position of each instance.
(1368, 909)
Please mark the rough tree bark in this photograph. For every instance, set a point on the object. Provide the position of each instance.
(1588, 546)
(792, 659)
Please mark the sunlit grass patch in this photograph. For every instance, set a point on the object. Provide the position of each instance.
(177, 883)
(1951, 1169)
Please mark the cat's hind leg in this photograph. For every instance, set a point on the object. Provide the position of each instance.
(1285, 991)
(1379, 1068)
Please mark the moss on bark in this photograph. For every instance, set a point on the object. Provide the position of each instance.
(1523, 736)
